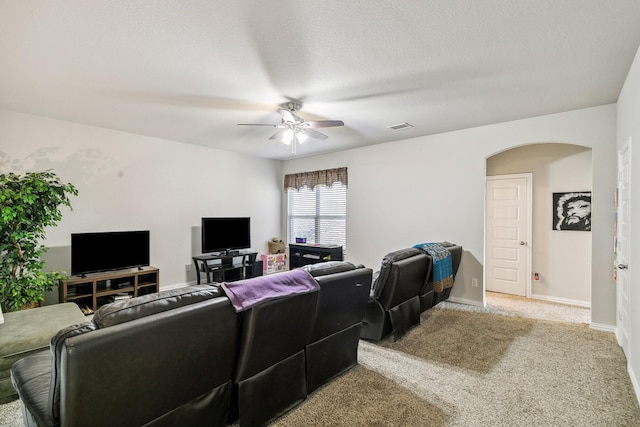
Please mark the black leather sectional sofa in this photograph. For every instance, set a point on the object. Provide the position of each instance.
(186, 357)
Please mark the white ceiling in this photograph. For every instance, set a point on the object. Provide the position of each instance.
(189, 71)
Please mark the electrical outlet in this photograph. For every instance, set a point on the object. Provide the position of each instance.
(474, 282)
(188, 267)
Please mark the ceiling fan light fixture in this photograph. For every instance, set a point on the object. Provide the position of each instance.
(294, 130)
(287, 137)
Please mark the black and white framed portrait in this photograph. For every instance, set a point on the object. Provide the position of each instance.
(572, 211)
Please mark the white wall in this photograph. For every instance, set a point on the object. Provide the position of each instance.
(432, 188)
(561, 258)
(131, 182)
(410, 191)
(628, 126)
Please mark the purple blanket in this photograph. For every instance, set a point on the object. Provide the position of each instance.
(248, 292)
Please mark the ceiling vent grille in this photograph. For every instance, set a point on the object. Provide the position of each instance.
(400, 126)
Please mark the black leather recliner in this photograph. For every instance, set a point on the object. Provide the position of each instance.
(394, 302)
(333, 347)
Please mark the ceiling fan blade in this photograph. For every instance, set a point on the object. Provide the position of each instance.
(324, 123)
(277, 135)
(257, 124)
(289, 117)
(313, 133)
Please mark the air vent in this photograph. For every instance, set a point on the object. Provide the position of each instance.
(400, 126)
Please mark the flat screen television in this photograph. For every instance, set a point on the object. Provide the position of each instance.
(105, 251)
(225, 234)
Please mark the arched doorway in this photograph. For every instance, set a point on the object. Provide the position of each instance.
(561, 259)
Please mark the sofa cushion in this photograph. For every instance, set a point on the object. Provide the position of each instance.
(328, 267)
(146, 305)
(380, 279)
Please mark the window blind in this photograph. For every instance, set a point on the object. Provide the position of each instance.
(318, 214)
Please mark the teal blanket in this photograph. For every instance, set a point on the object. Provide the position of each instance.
(442, 267)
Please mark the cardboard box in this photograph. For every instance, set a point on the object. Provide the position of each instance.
(274, 263)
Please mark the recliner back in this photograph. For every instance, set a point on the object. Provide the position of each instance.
(394, 303)
(405, 279)
(333, 347)
(273, 331)
(342, 301)
(270, 378)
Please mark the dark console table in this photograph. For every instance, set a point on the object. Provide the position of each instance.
(227, 267)
(300, 255)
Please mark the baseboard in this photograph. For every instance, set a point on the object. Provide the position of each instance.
(618, 339)
(466, 301)
(634, 381)
(602, 327)
(566, 301)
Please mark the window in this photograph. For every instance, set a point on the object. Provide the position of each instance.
(318, 214)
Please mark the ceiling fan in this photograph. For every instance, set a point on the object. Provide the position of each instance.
(293, 129)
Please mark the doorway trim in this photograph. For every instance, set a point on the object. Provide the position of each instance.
(622, 246)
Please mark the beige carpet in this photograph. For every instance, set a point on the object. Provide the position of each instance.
(511, 305)
(10, 415)
(495, 366)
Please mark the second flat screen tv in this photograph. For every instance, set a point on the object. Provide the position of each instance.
(222, 234)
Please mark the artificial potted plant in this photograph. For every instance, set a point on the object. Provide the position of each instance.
(28, 204)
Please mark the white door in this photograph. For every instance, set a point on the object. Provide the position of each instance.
(508, 234)
(622, 246)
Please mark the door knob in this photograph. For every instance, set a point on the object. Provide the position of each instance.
(622, 266)
(522, 243)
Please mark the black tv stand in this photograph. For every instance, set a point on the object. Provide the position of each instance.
(227, 266)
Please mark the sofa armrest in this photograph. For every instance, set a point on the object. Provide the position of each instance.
(31, 377)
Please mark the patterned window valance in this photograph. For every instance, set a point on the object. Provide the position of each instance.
(312, 179)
